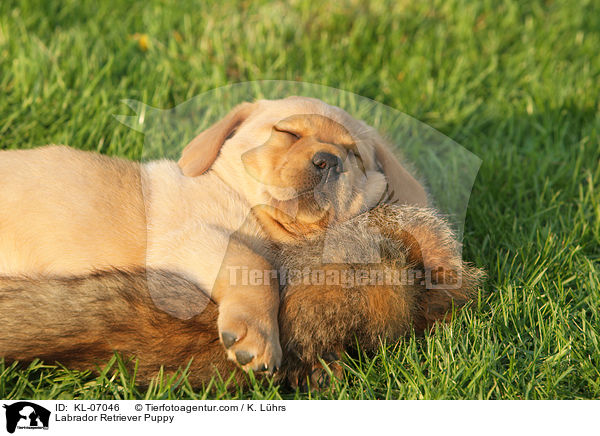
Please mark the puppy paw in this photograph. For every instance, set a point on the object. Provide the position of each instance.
(251, 342)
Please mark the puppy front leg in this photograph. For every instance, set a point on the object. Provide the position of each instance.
(247, 293)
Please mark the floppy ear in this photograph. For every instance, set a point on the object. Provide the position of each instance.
(199, 155)
(403, 188)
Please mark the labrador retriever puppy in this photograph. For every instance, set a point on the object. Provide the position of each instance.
(273, 171)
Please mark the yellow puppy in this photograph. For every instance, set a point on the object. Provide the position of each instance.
(279, 170)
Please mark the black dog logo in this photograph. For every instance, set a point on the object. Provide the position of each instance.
(26, 415)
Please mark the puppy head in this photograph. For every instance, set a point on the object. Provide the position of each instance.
(301, 163)
(314, 171)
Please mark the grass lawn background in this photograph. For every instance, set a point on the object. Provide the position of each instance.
(517, 83)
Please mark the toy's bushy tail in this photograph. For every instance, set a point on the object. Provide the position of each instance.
(82, 321)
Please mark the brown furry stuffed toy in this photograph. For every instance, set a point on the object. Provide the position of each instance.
(371, 279)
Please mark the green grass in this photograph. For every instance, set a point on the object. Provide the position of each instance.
(517, 83)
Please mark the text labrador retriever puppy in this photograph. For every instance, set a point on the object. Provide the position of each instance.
(272, 171)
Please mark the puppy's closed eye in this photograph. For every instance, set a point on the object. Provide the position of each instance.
(294, 135)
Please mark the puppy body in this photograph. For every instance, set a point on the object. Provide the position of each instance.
(67, 211)
(78, 212)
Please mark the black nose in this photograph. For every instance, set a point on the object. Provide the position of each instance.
(323, 161)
